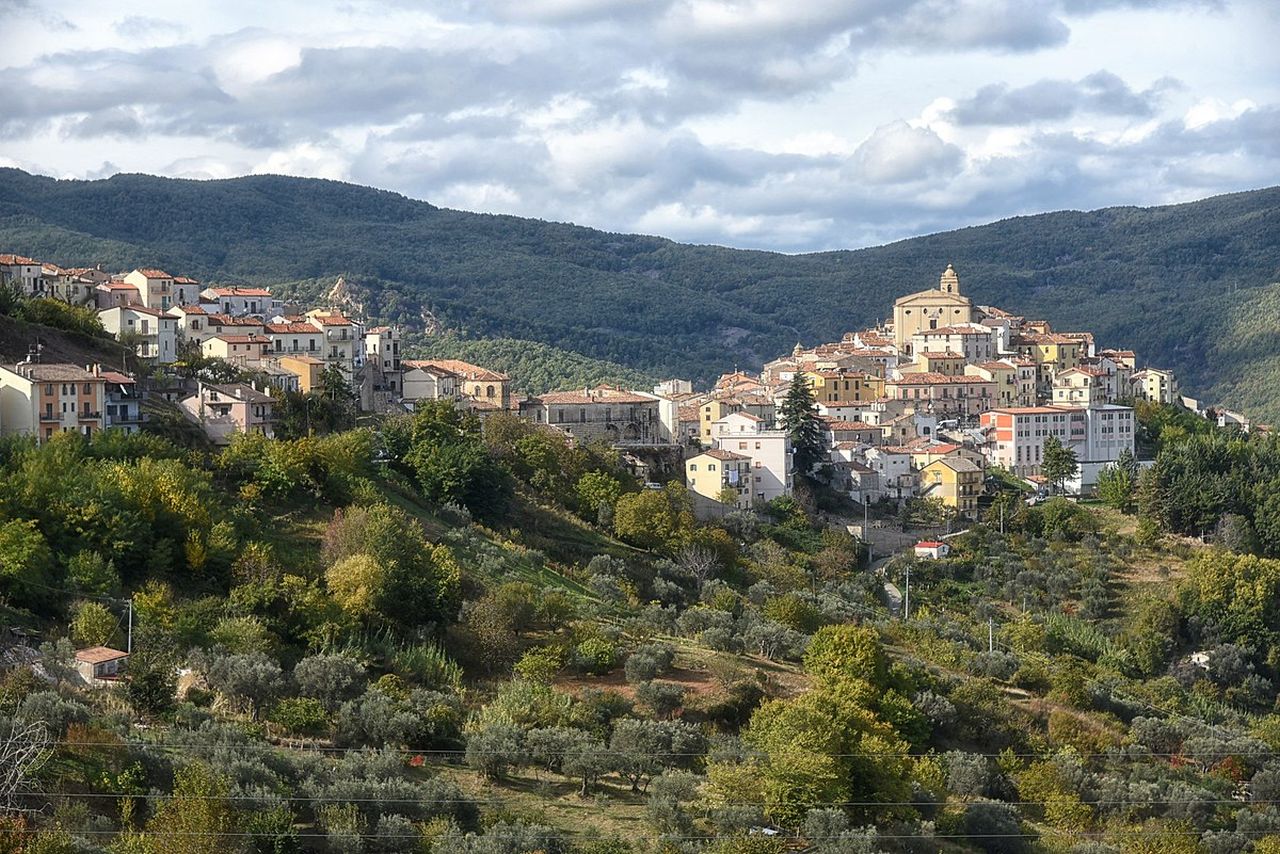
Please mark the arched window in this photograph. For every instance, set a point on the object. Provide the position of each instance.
(488, 392)
(933, 323)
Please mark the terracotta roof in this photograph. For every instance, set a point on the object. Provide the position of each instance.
(139, 309)
(240, 292)
(17, 260)
(185, 280)
(189, 309)
(292, 329)
(118, 378)
(929, 544)
(960, 464)
(241, 339)
(466, 370)
(153, 273)
(688, 413)
(429, 367)
(940, 448)
(228, 320)
(850, 425)
(1084, 369)
(934, 378)
(600, 394)
(957, 329)
(940, 354)
(99, 655)
(118, 286)
(330, 320)
(1026, 410)
(721, 454)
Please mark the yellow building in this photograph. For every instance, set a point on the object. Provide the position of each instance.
(720, 405)
(941, 306)
(955, 480)
(943, 362)
(1052, 352)
(841, 388)
(306, 368)
(712, 472)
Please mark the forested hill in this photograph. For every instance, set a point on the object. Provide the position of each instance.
(1180, 284)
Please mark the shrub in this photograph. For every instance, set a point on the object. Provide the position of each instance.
(303, 715)
(595, 655)
(541, 664)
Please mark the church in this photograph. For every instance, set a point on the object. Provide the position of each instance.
(931, 309)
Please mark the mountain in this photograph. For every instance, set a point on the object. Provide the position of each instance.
(1183, 285)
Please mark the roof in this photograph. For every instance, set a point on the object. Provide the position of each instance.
(331, 319)
(138, 309)
(17, 260)
(428, 367)
(929, 544)
(292, 329)
(466, 370)
(240, 292)
(940, 354)
(241, 339)
(118, 286)
(189, 309)
(687, 413)
(153, 273)
(958, 464)
(240, 391)
(228, 320)
(117, 378)
(53, 373)
(1026, 410)
(957, 329)
(99, 655)
(934, 378)
(721, 454)
(185, 280)
(600, 394)
(850, 425)
(939, 448)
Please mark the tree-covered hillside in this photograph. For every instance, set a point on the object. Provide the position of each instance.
(1164, 281)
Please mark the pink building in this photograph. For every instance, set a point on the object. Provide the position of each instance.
(223, 410)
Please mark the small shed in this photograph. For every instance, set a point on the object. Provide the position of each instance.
(100, 663)
(932, 549)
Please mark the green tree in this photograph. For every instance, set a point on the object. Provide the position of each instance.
(659, 519)
(93, 624)
(598, 493)
(1118, 482)
(26, 562)
(198, 819)
(798, 415)
(1059, 463)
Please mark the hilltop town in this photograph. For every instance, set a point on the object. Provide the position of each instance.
(919, 406)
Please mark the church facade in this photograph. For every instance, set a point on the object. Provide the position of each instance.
(931, 309)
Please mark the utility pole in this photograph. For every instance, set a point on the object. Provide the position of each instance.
(991, 634)
(129, 637)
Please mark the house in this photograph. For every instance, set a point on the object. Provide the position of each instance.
(223, 410)
(193, 323)
(957, 481)
(893, 465)
(237, 301)
(186, 290)
(943, 362)
(1014, 386)
(604, 413)
(155, 333)
(973, 341)
(248, 351)
(340, 340)
(23, 274)
(963, 396)
(932, 549)
(1155, 385)
(1083, 385)
(853, 476)
(1052, 352)
(717, 473)
(474, 381)
(839, 430)
(425, 380)
(930, 309)
(100, 665)
(1097, 434)
(723, 402)
(123, 402)
(155, 287)
(111, 294)
(308, 370)
(380, 380)
(841, 386)
(294, 338)
(43, 399)
(769, 450)
(219, 324)
(71, 286)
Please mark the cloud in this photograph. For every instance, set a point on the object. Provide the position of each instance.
(898, 152)
(1100, 93)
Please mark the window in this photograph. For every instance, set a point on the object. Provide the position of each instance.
(693, 466)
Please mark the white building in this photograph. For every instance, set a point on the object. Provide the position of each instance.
(974, 341)
(1155, 385)
(769, 450)
(897, 479)
(238, 301)
(425, 381)
(155, 332)
(25, 275)
(155, 288)
(1097, 435)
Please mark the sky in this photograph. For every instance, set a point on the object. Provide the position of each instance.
(791, 125)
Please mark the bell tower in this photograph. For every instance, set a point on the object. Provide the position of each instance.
(950, 282)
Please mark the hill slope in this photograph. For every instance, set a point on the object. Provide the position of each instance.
(1167, 281)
